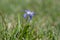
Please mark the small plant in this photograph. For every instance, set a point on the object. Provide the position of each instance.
(28, 16)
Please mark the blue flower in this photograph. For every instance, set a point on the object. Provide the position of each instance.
(28, 14)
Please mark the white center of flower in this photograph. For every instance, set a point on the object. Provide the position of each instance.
(29, 12)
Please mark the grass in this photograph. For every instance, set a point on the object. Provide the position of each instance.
(45, 24)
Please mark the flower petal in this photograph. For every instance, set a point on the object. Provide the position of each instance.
(25, 15)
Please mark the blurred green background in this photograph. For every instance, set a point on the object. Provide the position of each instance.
(45, 24)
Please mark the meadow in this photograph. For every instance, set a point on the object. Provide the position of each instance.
(44, 25)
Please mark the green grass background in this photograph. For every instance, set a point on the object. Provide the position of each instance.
(45, 25)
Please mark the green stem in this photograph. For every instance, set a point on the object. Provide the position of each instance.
(19, 24)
